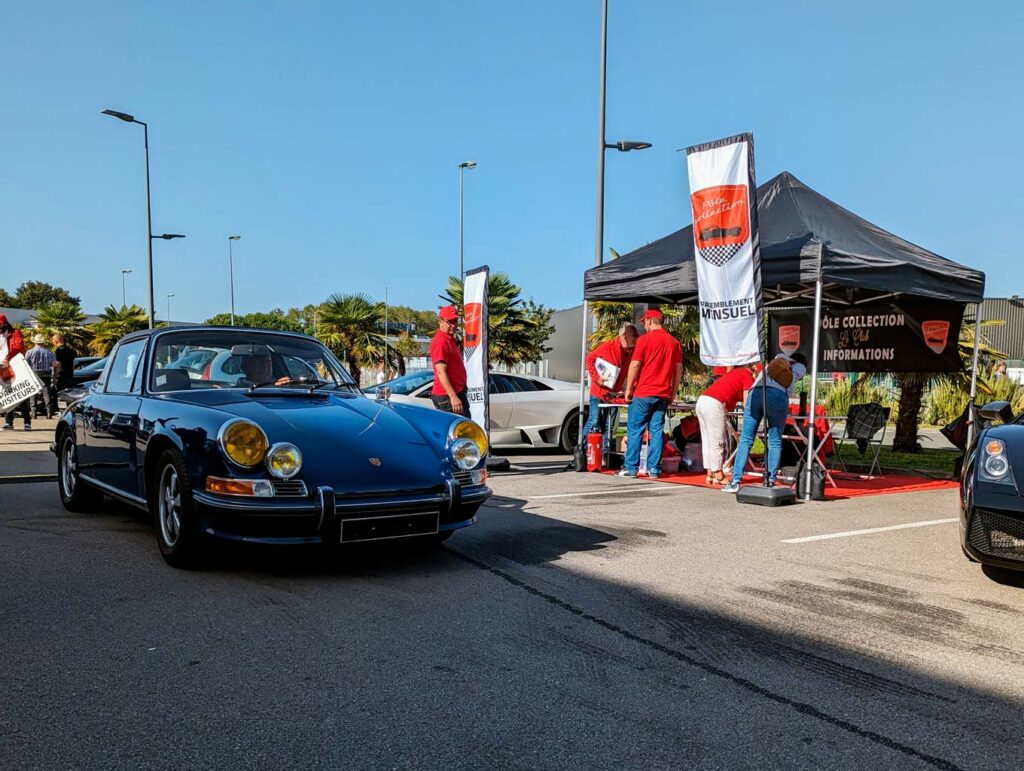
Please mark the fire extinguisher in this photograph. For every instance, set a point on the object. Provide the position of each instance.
(594, 451)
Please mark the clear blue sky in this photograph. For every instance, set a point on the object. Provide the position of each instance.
(328, 133)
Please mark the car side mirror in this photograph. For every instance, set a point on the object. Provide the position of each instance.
(997, 411)
(383, 393)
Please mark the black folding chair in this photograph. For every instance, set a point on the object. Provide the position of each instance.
(863, 422)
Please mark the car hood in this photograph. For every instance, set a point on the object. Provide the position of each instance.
(355, 445)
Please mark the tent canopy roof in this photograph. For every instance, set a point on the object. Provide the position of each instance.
(801, 232)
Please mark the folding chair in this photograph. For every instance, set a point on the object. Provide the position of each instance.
(863, 421)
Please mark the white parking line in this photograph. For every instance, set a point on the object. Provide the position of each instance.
(651, 489)
(849, 533)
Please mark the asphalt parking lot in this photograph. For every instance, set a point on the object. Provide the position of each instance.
(586, 621)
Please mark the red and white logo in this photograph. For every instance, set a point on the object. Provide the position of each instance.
(721, 222)
(936, 335)
(472, 316)
(789, 338)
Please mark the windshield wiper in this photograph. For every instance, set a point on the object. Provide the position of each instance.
(331, 383)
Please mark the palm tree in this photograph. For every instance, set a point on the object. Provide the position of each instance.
(114, 324)
(514, 334)
(64, 318)
(351, 325)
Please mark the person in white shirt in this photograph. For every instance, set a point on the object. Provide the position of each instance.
(775, 396)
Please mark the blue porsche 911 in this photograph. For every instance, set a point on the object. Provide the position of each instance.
(271, 442)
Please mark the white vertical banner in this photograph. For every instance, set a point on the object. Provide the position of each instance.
(724, 200)
(474, 344)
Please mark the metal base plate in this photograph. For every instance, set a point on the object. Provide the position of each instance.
(759, 495)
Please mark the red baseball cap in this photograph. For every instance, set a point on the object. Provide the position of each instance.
(448, 313)
(653, 313)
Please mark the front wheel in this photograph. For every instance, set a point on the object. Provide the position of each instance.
(570, 435)
(75, 494)
(177, 531)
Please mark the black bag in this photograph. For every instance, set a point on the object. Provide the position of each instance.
(579, 458)
(817, 482)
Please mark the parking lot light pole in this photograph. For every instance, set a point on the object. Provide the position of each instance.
(231, 269)
(169, 296)
(124, 296)
(462, 267)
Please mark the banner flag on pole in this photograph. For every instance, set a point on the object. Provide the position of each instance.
(474, 345)
(724, 199)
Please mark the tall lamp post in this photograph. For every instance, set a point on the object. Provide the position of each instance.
(623, 146)
(149, 209)
(169, 296)
(231, 268)
(124, 296)
(462, 168)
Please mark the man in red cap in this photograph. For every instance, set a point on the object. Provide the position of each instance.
(655, 373)
(616, 352)
(11, 344)
(449, 390)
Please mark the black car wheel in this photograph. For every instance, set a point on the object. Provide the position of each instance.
(570, 435)
(177, 531)
(75, 494)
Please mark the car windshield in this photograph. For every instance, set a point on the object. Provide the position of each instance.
(217, 358)
(406, 384)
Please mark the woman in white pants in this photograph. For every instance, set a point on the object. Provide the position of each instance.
(713, 408)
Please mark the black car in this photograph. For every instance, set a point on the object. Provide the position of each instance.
(991, 505)
(84, 377)
(275, 445)
(85, 361)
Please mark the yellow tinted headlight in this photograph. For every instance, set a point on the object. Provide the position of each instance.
(243, 442)
(284, 460)
(467, 429)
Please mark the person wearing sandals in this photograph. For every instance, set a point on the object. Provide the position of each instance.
(713, 408)
(773, 393)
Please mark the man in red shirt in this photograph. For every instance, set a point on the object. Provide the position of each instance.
(11, 344)
(617, 352)
(449, 390)
(713, 407)
(655, 373)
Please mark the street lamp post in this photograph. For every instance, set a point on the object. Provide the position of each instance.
(231, 268)
(124, 296)
(169, 296)
(462, 267)
(149, 209)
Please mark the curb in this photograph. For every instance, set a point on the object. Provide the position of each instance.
(25, 478)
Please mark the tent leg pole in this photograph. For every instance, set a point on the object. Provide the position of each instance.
(583, 369)
(971, 427)
(814, 389)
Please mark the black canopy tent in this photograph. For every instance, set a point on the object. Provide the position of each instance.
(810, 246)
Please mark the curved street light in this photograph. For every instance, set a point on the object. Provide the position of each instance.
(462, 269)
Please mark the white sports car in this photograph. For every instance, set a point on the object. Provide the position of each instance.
(526, 411)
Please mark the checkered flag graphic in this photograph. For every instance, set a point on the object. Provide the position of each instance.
(719, 255)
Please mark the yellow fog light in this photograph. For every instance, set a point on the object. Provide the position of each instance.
(243, 442)
(467, 429)
(284, 460)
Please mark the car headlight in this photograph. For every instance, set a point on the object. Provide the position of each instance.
(465, 453)
(243, 442)
(284, 460)
(994, 466)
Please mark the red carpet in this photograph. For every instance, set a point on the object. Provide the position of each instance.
(848, 487)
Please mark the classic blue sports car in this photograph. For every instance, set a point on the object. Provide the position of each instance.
(270, 441)
(991, 505)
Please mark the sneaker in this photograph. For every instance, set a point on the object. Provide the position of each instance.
(28, 426)
(8, 426)
(652, 476)
(732, 487)
(626, 473)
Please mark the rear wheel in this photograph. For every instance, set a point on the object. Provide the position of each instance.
(177, 530)
(569, 437)
(75, 494)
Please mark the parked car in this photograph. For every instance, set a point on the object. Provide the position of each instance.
(85, 361)
(525, 411)
(991, 505)
(263, 456)
(84, 377)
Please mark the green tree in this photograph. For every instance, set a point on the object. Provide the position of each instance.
(67, 319)
(6, 299)
(37, 294)
(351, 325)
(114, 324)
(516, 332)
(275, 319)
(405, 348)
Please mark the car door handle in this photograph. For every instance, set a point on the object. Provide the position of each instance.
(122, 424)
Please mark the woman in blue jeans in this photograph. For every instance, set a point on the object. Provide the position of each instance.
(775, 397)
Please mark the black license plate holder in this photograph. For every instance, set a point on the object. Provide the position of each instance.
(360, 529)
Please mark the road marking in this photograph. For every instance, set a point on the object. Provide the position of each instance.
(672, 489)
(848, 533)
(529, 467)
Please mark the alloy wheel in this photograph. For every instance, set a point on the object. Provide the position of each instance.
(169, 503)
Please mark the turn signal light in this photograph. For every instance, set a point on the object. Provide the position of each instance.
(994, 447)
(259, 488)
